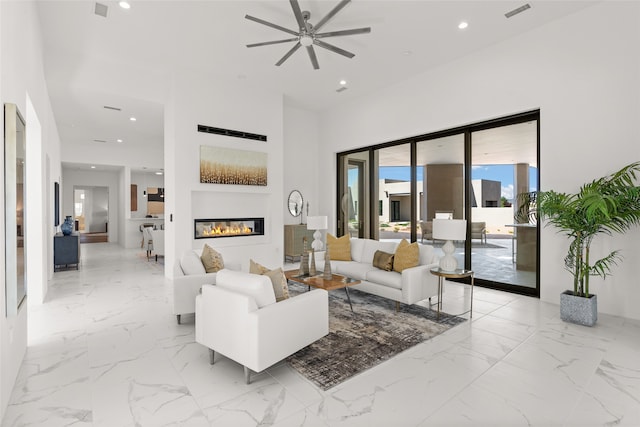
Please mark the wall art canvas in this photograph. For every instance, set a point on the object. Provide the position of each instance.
(229, 166)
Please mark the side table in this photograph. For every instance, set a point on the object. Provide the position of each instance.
(456, 274)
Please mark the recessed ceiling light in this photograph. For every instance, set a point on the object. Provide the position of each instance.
(124, 4)
(118, 140)
(407, 53)
(93, 167)
(343, 82)
(133, 119)
(158, 173)
(463, 25)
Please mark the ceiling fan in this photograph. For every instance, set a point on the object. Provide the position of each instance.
(308, 35)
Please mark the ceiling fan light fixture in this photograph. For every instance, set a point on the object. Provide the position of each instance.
(306, 40)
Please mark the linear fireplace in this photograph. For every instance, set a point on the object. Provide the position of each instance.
(228, 227)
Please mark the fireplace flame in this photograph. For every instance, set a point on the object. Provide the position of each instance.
(234, 230)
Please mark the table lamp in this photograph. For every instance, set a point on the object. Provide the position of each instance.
(449, 230)
(317, 223)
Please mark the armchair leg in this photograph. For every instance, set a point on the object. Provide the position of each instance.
(247, 375)
(178, 317)
(212, 355)
(397, 306)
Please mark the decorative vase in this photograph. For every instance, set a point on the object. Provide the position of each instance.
(304, 259)
(326, 275)
(312, 266)
(579, 310)
(67, 226)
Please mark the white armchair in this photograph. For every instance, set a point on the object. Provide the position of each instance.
(188, 277)
(158, 242)
(235, 319)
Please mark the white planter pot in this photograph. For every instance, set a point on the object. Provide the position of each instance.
(579, 310)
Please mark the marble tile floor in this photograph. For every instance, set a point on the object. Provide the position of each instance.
(105, 350)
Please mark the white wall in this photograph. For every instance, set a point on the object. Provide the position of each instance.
(581, 71)
(301, 136)
(81, 178)
(22, 82)
(201, 100)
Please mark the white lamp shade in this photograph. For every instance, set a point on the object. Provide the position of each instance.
(450, 229)
(317, 223)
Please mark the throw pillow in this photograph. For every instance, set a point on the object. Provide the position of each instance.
(407, 256)
(255, 268)
(383, 260)
(211, 259)
(278, 280)
(191, 264)
(339, 247)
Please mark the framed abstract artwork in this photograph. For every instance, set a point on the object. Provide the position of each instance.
(229, 166)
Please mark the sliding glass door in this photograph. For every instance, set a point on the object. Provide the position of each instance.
(486, 173)
(353, 195)
(504, 176)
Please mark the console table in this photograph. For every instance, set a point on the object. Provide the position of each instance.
(66, 251)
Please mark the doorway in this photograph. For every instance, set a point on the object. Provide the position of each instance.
(91, 213)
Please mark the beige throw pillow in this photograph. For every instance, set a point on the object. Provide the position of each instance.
(278, 280)
(211, 259)
(383, 260)
(339, 247)
(407, 256)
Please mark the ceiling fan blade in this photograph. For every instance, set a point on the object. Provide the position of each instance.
(273, 42)
(288, 54)
(269, 24)
(344, 32)
(333, 48)
(312, 56)
(298, 13)
(331, 14)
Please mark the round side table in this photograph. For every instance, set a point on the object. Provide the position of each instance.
(455, 274)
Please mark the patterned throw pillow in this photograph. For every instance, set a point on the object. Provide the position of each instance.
(339, 248)
(278, 280)
(383, 260)
(211, 259)
(407, 256)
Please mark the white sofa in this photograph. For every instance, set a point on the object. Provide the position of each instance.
(240, 319)
(188, 277)
(412, 285)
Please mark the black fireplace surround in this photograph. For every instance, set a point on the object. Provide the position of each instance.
(227, 227)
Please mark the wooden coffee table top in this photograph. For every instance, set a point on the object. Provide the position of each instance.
(337, 281)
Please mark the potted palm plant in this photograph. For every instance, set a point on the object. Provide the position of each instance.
(607, 205)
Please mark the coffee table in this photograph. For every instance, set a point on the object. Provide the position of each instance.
(337, 281)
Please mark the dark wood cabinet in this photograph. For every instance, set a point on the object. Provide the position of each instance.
(66, 251)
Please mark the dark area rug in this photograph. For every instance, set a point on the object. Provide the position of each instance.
(359, 340)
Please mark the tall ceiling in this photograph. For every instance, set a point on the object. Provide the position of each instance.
(123, 60)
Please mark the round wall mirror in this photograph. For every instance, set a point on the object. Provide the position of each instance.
(295, 203)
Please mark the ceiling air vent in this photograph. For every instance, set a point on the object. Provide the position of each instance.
(341, 89)
(99, 140)
(101, 9)
(518, 10)
(112, 108)
(229, 132)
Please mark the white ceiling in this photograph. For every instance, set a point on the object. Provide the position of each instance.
(123, 60)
